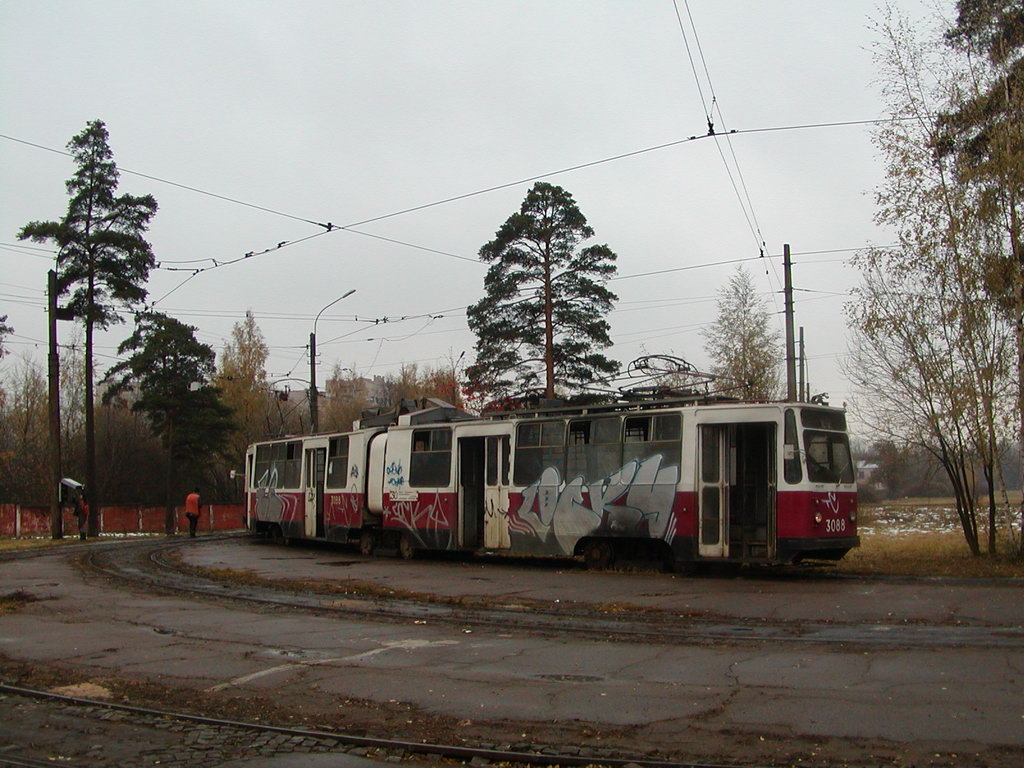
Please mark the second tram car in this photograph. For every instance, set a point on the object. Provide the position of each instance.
(769, 483)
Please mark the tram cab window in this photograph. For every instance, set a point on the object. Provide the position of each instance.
(595, 448)
(430, 463)
(828, 452)
(337, 462)
(539, 444)
(261, 473)
(646, 436)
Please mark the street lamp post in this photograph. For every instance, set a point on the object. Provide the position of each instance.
(314, 415)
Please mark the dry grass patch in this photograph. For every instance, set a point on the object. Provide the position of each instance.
(928, 554)
(14, 601)
(9, 545)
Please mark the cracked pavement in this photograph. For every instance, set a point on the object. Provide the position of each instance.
(939, 698)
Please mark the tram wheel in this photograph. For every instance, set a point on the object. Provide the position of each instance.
(598, 554)
(366, 544)
(406, 547)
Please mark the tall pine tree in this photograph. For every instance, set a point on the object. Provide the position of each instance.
(168, 376)
(103, 259)
(541, 323)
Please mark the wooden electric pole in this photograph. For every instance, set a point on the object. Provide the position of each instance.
(53, 359)
(803, 396)
(790, 341)
(314, 410)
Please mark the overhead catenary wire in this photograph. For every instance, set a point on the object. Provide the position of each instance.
(187, 187)
(369, 323)
(392, 319)
(329, 227)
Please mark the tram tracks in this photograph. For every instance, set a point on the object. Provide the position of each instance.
(151, 566)
(315, 740)
(148, 565)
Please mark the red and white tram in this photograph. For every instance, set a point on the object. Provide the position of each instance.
(687, 482)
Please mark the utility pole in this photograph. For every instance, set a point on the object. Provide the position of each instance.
(803, 368)
(56, 519)
(314, 412)
(790, 342)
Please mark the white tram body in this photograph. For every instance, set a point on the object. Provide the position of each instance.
(727, 482)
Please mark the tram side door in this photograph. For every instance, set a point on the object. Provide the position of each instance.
(496, 533)
(752, 502)
(471, 491)
(314, 471)
(713, 483)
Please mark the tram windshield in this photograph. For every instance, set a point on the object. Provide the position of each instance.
(827, 447)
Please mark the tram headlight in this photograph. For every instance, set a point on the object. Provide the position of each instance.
(853, 515)
(817, 517)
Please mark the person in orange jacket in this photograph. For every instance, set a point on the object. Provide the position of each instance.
(192, 511)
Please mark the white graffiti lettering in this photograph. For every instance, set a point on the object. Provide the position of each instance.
(639, 493)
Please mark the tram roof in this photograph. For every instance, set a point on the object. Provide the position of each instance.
(636, 405)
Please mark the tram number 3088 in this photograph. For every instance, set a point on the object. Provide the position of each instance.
(835, 526)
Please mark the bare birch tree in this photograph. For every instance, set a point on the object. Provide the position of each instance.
(929, 356)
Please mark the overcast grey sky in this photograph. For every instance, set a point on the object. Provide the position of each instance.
(342, 111)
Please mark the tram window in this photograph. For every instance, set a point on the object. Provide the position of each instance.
(638, 430)
(493, 446)
(289, 465)
(709, 455)
(828, 457)
(491, 470)
(791, 467)
(646, 436)
(282, 459)
(337, 462)
(667, 427)
(816, 419)
(538, 446)
(261, 474)
(595, 448)
(528, 435)
(430, 464)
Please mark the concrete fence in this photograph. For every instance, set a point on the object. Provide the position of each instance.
(24, 522)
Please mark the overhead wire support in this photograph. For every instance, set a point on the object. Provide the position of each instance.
(746, 204)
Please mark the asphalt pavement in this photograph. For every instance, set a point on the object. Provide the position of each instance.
(879, 700)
